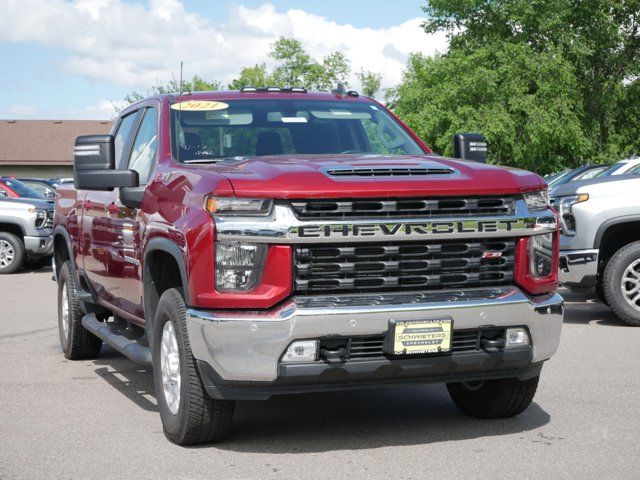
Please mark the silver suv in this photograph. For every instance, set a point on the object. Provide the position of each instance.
(600, 242)
(25, 232)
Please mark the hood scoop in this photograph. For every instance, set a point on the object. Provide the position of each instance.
(389, 171)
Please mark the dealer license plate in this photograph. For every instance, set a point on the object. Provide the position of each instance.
(420, 336)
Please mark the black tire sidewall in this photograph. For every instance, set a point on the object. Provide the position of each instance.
(613, 282)
(18, 249)
(65, 280)
(167, 312)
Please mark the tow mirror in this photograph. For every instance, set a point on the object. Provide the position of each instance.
(94, 165)
(470, 146)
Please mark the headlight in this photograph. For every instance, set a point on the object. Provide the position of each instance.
(41, 218)
(238, 206)
(564, 205)
(537, 201)
(541, 255)
(238, 266)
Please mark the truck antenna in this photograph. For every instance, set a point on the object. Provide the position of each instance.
(179, 117)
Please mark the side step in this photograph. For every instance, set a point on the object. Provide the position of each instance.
(109, 334)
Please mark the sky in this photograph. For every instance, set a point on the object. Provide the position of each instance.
(76, 59)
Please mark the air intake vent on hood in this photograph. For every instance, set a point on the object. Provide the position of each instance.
(389, 172)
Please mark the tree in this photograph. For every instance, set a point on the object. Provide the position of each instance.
(600, 39)
(256, 76)
(524, 102)
(196, 84)
(297, 68)
(370, 81)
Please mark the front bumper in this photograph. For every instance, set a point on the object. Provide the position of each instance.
(579, 268)
(38, 246)
(241, 351)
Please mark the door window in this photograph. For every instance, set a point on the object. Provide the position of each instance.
(122, 135)
(143, 153)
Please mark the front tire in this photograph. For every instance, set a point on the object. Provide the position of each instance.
(77, 343)
(621, 283)
(500, 398)
(12, 253)
(189, 416)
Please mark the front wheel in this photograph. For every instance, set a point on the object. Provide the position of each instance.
(621, 283)
(189, 416)
(11, 252)
(500, 398)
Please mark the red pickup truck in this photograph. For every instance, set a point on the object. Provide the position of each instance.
(275, 241)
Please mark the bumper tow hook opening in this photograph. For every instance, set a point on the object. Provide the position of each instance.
(493, 345)
(333, 356)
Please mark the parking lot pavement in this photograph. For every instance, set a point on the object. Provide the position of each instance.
(97, 419)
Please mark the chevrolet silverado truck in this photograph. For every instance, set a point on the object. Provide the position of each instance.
(600, 241)
(276, 241)
(25, 233)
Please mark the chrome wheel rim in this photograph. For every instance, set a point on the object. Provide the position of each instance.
(65, 311)
(170, 367)
(7, 253)
(631, 284)
(474, 386)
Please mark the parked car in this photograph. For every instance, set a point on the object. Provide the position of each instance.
(263, 242)
(25, 233)
(600, 243)
(12, 188)
(623, 167)
(44, 186)
(583, 172)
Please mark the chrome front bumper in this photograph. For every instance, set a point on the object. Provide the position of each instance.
(248, 346)
(579, 268)
(38, 246)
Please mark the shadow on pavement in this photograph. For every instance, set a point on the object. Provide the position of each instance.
(584, 308)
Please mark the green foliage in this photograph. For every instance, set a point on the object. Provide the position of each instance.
(197, 84)
(370, 81)
(256, 76)
(592, 45)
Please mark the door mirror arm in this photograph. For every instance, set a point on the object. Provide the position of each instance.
(131, 197)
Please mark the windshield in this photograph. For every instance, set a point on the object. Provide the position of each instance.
(209, 130)
(20, 188)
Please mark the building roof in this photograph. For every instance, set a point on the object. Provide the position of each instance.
(44, 142)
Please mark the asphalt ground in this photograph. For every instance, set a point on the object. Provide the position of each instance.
(61, 419)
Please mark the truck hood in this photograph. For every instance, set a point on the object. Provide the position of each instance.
(31, 202)
(335, 176)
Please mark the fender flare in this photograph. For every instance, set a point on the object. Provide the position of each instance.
(610, 223)
(169, 247)
(61, 231)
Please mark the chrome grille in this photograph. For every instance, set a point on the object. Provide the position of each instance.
(49, 221)
(404, 208)
(403, 266)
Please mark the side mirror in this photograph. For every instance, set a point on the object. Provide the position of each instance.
(470, 146)
(94, 165)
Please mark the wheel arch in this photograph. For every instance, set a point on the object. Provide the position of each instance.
(614, 234)
(63, 251)
(164, 267)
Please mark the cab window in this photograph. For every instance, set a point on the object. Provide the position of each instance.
(145, 146)
(122, 135)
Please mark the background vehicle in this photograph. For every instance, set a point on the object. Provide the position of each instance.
(623, 167)
(261, 242)
(46, 187)
(12, 188)
(600, 243)
(25, 233)
(583, 172)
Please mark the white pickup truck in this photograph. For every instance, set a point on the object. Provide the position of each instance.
(25, 232)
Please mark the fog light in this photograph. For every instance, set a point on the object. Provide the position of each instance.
(517, 337)
(301, 351)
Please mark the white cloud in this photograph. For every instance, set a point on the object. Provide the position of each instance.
(134, 45)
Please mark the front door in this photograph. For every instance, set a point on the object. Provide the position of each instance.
(113, 263)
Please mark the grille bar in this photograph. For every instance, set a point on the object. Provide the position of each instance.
(413, 266)
(405, 208)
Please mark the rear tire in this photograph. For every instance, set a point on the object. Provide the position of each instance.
(12, 253)
(189, 416)
(500, 398)
(77, 343)
(621, 283)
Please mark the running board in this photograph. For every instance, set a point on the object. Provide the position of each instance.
(129, 347)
